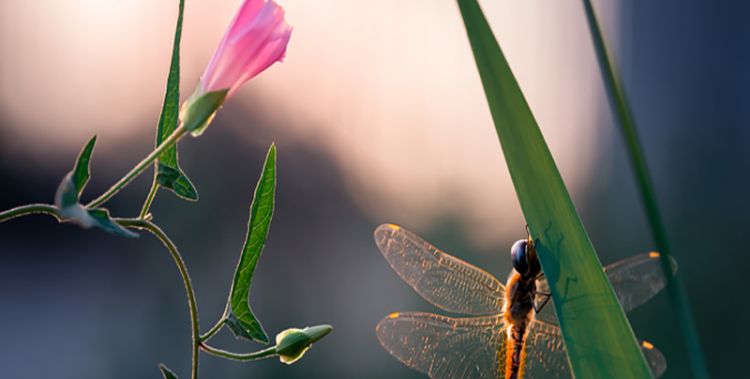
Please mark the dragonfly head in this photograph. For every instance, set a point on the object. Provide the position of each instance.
(525, 260)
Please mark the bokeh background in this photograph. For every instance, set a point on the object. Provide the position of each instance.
(379, 116)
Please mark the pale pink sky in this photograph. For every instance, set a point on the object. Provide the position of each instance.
(390, 87)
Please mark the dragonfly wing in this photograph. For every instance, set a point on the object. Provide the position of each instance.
(445, 347)
(655, 359)
(545, 353)
(445, 281)
(637, 279)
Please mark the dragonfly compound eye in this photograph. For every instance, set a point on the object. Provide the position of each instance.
(518, 254)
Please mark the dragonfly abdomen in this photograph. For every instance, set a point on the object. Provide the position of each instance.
(517, 313)
(516, 351)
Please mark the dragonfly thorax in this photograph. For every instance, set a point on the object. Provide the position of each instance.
(519, 299)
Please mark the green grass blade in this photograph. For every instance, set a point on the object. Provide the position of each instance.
(598, 338)
(239, 317)
(625, 119)
(169, 175)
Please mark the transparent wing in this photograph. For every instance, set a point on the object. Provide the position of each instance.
(445, 281)
(655, 359)
(545, 353)
(445, 347)
(635, 281)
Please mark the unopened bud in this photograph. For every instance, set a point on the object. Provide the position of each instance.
(292, 344)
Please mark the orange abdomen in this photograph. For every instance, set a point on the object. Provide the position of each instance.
(517, 313)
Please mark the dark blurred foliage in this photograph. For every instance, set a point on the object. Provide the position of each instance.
(83, 304)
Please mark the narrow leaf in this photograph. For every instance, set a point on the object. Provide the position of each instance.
(239, 316)
(582, 295)
(179, 184)
(70, 188)
(166, 372)
(81, 172)
(624, 114)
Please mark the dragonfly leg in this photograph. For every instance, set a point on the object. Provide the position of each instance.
(546, 295)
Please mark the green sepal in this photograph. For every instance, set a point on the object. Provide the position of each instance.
(166, 372)
(169, 174)
(198, 111)
(69, 192)
(239, 317)
(176, 181)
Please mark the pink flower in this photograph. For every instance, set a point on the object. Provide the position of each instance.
(256, 39)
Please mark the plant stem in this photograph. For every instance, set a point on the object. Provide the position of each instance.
(151, 195)
(214, 329)
(28, 209)
(139, 168)
(265, 353)
(158, 233)
(627, 126)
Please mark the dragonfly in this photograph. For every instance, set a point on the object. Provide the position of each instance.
(508, 332)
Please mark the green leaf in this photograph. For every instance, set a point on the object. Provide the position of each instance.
(69, 190)
(239, 316)
(81, 172)
(102, 220)
(169, 174)
(624, 114)
(166, 372)
(582, 295)
(200, 109)
(68, 195)
(88, 218)
(175, 180)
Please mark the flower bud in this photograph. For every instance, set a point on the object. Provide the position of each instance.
(256, 39)
(292, 344)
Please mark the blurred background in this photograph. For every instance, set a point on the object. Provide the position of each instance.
(379, 116)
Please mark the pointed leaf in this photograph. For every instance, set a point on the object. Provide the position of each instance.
(239, 316)
(68, 193)
(81, 172)
(168, 162)
(176, 181)
(99, 218)
(582, 295)
(621, 108)
(72, 185)
(166, 372)
(102, 220)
